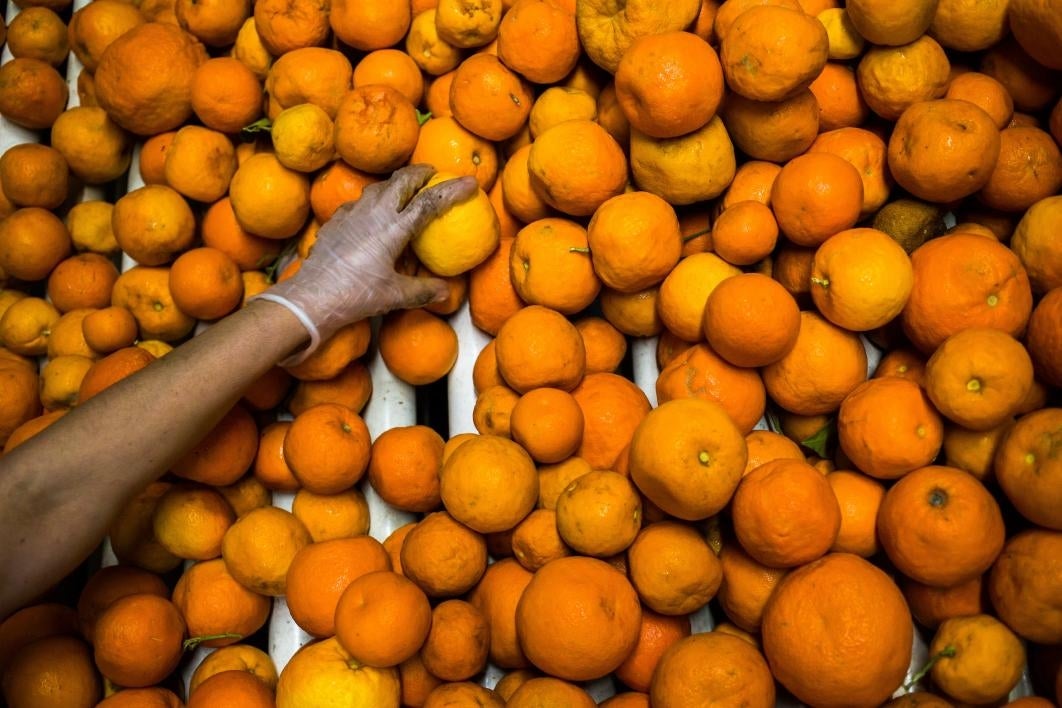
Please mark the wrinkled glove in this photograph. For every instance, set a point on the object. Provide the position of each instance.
(350, 272)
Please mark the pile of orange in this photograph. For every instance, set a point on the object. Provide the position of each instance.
(761, 186)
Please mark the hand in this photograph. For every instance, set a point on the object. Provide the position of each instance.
(350, 272)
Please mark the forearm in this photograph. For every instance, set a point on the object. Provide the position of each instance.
(63, 487)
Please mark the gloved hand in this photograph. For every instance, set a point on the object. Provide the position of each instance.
(350, 274)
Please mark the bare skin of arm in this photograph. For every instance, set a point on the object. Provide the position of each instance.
(60, 490)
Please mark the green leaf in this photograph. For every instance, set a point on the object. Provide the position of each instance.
(822, 442)
(946, 652)
(774, 424)
(249, 131)
(423, 118)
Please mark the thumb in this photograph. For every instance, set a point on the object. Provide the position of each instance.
(417, 292)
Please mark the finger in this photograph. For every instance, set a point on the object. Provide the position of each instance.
(405, 183)
(433, 201)
(417, 292)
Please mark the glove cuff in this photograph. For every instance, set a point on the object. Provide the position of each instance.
(304, 320)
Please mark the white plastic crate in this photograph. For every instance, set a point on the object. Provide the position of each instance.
(393, 404)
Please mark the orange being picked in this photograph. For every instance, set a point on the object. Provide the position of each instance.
(940, 526)
(576, 166)
(461, 237)
(687, 457)
(578, 618)
(382, 618)
(669, 84)
(867, 661)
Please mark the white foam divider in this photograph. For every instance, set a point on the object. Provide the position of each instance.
(460, 392)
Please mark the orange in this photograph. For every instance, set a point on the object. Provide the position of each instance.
(246, 494)
(26, 325)
(416, 682)
(984, 660)
(536, 541)
(999, 296)
(605, 345)
(815, 196)
(214, 23)
(1037, 30)
(711, 667)
(610, 116)
(260, 185)
(1034, 246)
(538, 346)
(729, 11)
(259, 548)
(673, 569)
(669, 84)
(308, 74)
(111, 369)
(608, 27)
(488, 99)
(92, 29)
(554, 479)
(369, 26)
(612, 409)
(153, 224)
(973, 450)
(824, 366)
(61, 379)
(750, 320)
(656, 635)
(81, 281)
(493, 409)
(393, 68)
(865, 667)
(456, 646)
(320, 572)
(213, 603)
(930, 505)
(891, 23)
(221, 230)
(599, 514)
(417, 346)
(633, 314)
(968, 26)
(1025, 466)
(109, 584)
(888, 427)
(190, 522)
(745, 233)
(1028, 170)
(434, 55)
(375, 128)
(284, 27)
(489, 484)
(865, 150)
(329, 516)
(771, 52)
(497, 596)
(324, 671)
(460, 237)
(153, 157)
(1043, 337)
(131, 534)
(224, 453)
(200, 163)
(138, 640)
(765, 445)
(206, 283)
(746, 586)
(538, 40)
(34, 622)
(785, 513)
(1022, 585)
(859, 498)
(546, 690)
(576, 166)
(931, 605)
(51, 671)
(334, 354)
(443, 557)
(230, 688)
(891, 79)
(935, 160)
(154, 697)
(549, 266)
(405, 465)
(987, 93)
(462, 693)
(700, 373)
(32, 242)
(512, 680)
(270, 467)
(34, 175)
(382, 618)
(634, 240)
(979, 377)
(327, 448)
(775, 131)
(466, 26)
(450, 148)
(578, 618)
(32, 93)
(667, 166)
(687, 457)
(144, 79)
(548, 423)
(684, 291)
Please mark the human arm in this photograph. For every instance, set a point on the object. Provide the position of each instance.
(60, 490)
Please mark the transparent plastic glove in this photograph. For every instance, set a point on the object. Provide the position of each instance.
(350, 272)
